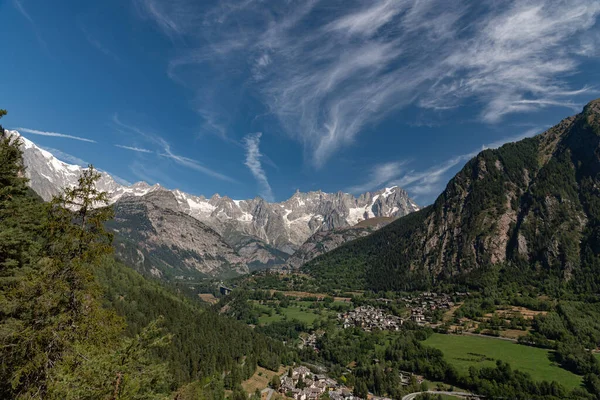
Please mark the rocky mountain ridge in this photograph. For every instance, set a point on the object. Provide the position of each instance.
(325, 241)
(156, 239)
(263, 234)
(527, 212)
(284, 226)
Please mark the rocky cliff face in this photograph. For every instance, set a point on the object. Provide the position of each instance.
(265, 233)
(157, 239)
(262, 233)
(532, 207)
(327, 240)
(287, 225)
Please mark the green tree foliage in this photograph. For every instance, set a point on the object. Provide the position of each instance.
(276, 382)
(57, 307)
(572, 330)
(360, 388)
(20, 214)
(56, 339)
(126, 370)
(204, 343)
(204, 389)
(548, 186)
(592, 384)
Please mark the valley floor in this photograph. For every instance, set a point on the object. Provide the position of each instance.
(466, 351)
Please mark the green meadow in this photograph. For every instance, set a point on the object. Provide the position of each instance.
(291, 312)
(466, 351)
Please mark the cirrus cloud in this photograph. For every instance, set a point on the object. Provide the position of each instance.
(253, 156)
(329, 70)
(55, 134)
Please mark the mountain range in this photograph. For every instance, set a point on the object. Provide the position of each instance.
(527, 212)
(173, 233)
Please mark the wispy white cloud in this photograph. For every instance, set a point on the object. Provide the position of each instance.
(379, 176)
(193, 164)
(18, 4)
(368, 20)
(66, 157)
(95, 42)
(138, 149)
(168, 153)
(173, 17)
(55, 134)
(21, 8)
(253, 156)
(428, 183)
(328, 70)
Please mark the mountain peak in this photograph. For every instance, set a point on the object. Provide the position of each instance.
(593, 106)
(284, 225)
(592, 114)
(529, 208)
(140, 185)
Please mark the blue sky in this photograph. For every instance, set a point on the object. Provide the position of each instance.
(254, 97)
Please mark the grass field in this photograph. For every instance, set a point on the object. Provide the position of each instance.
(292, 312)
(260, 379)
(208, 297)
(465, 351)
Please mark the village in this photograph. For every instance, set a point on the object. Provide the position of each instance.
(422, 305)
(419, 308)
(370, 318)
(302, 384)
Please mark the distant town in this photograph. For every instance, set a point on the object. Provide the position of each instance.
(420, 307)
(304, 385)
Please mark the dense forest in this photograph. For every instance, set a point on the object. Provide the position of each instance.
(77, 324)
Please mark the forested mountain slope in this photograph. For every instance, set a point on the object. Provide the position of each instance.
(204, 344)
(76, 324)
(530, 207)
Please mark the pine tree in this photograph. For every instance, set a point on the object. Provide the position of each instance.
(56, 305)
(276, 382)
(19, 214)
(127, 370)
(20, 228)
(2, 114)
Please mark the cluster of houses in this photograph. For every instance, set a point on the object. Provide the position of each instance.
(309, 341)
(370, 318)
(304, 385)
(421, 305)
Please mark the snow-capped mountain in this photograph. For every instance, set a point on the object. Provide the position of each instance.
(287, 225)
(48, 175)
(284, 226)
